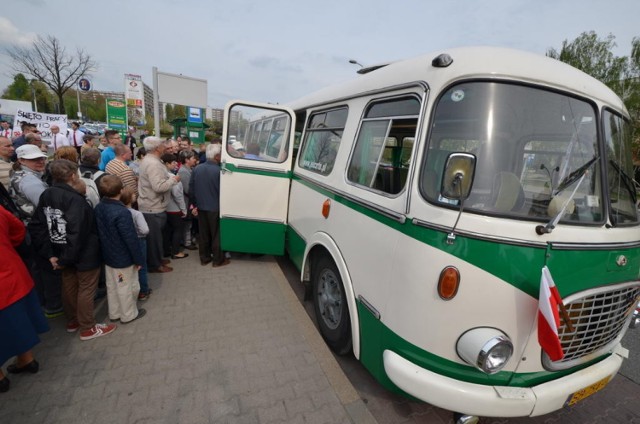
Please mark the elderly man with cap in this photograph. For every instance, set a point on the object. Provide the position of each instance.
(26, 182)
(25, 189)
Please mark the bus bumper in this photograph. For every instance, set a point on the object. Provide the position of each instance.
(495, 401)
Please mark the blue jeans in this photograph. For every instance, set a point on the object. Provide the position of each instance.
(142, 273)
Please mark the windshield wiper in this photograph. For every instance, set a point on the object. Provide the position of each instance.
(575, 175)
(626, 179)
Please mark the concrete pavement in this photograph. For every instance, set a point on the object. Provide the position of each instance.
(224, 345)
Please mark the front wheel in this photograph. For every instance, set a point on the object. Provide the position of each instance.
(330, 304)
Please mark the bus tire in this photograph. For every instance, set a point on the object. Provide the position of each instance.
(330, 305)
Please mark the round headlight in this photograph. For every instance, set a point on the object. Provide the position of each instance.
(495, 354)
(487, 349)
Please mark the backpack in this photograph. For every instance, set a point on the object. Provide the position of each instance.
(93, 196)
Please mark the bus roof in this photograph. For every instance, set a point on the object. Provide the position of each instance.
(470, 62)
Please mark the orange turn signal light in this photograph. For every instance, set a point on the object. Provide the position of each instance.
(326, 208)
(448, 283)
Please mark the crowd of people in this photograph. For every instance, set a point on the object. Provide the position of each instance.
(80, 221)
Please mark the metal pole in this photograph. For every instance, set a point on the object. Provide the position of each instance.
(156, 103)
(33, 94)
(78, 94)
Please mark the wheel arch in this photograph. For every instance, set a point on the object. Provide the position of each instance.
(321, 243)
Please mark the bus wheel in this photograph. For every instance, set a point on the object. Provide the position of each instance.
(330, 303)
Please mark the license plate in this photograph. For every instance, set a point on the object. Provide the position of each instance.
(586, 392)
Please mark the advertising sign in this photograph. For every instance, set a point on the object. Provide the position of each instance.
(134, 95)
(43, 121)
(117, 116)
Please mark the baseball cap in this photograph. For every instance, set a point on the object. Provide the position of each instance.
(29, 151)
(237, 145)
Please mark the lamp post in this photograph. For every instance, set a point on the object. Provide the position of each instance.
(355, 62)
(33, 95)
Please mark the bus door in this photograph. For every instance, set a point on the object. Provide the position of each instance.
(255, 177)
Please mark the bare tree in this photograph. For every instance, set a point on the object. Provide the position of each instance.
(48, 61)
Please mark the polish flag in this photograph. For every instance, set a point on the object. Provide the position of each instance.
(548, 317)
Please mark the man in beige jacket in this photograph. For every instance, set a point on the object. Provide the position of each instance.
(6, 152)
(154, 187)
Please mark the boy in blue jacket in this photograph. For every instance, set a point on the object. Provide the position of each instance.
(120, 251)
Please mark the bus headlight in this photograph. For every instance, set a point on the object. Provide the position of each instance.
(487, 349)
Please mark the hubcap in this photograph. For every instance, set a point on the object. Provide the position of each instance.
(330, 299)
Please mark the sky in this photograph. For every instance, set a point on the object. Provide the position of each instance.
(279, 50)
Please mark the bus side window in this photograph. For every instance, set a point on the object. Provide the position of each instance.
(381, 157)
(322, 140)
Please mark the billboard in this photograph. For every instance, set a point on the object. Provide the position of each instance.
(117, 116)
(134, 96)
(182, 90)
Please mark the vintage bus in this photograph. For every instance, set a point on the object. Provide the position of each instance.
(422, 201)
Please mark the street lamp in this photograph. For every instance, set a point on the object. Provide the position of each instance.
(355, 62)
(33, 95)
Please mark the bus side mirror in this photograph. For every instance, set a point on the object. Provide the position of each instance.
(458, 176)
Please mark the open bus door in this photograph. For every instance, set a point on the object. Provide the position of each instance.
(256, 174)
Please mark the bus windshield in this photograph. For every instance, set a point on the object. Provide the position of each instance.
(536, 152)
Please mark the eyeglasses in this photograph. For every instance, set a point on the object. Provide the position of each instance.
(40, 159)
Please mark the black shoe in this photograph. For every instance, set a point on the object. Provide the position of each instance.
(4, 385)
(205, 261)
(191, 247)
(32, 367)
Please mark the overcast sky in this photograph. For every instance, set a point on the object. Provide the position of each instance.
(278, 50)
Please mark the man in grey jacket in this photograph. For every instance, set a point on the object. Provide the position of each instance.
(154, 188)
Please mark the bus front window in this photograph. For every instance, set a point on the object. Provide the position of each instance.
(536, 150)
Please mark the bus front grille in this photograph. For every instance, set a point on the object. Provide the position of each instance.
(598, 317)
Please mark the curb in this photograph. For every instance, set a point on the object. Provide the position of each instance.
(346, 393)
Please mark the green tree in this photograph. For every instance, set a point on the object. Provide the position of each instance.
(23, 89)
(168, 112)
(19, 89)
(46, 60)
(594, 56)
(215, 127)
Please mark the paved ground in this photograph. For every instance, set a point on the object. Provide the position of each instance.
(234, 345)
(225, 345)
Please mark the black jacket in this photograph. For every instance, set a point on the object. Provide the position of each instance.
(63, 226)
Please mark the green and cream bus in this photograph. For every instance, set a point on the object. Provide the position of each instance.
(421, 202)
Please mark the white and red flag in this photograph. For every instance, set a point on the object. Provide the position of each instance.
(548, 317)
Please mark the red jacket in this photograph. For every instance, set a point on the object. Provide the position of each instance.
(15, 280)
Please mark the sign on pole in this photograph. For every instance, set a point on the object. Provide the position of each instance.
(194, 115)
(117, 116)
(134, 96)
(84, 84)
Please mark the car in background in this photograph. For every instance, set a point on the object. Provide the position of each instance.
(94, 129)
